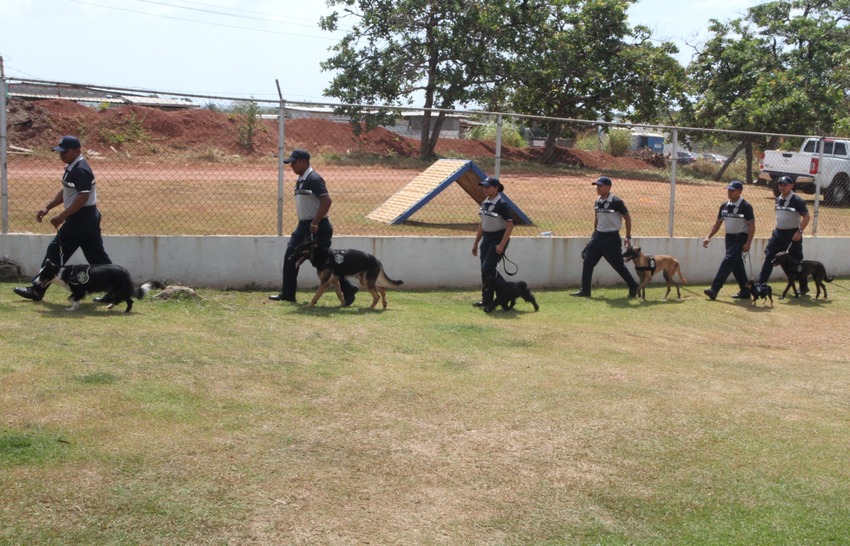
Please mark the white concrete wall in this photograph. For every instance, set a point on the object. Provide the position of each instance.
(421, 262)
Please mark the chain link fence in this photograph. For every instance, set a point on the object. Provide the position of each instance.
(211, 166)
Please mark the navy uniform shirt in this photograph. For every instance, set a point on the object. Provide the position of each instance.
(495, 214)
(736, 216)
(790, 211)
(78, 178)
(308, 188)
(609, 213)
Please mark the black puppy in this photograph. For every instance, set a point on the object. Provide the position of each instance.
(507, 293)
(797, 271)
(763, 291)
(87, 279)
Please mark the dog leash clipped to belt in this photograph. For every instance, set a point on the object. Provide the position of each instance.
(505, 267)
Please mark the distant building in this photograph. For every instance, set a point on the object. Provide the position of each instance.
(93, 97)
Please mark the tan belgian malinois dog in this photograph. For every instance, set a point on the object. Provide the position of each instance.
(646, 266)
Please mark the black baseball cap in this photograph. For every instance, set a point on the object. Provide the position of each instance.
(297, 154)
(67, 143)
(602, 181)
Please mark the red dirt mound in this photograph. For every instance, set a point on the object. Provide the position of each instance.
(143, 131)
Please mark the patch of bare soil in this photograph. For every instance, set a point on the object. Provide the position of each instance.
(149, 131)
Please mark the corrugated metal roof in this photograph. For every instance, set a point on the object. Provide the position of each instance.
(81, 94)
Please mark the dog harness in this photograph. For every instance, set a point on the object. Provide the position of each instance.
(79, 274)
(650, 267)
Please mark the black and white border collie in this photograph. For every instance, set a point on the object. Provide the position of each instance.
(84, 279)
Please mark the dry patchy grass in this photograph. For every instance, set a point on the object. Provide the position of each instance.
(231, 419)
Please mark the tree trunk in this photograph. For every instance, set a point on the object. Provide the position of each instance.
(729, 161)
(429, 143)
(749, 152)
(550, 154)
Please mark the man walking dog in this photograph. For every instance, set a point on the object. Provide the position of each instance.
(792, 217)
(312, 203)
(740, 224)
(611, 212)
(78, 224)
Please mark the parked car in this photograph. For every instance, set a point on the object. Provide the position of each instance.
(714, 158)
(685, 157)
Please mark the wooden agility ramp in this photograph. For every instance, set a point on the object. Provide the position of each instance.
(436, 178)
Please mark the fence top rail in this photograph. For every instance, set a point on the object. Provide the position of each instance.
(641, 126)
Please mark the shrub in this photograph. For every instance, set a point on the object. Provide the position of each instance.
(619, 142)
(511, 136)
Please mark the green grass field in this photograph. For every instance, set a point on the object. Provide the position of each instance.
(230, 419)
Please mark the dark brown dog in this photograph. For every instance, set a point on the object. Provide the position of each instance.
(646, 266)
(763, 291)
(797, 271)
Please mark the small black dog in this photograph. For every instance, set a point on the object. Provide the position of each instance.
(763, 291)
(86, 279)
(797, 271)
(507, 293)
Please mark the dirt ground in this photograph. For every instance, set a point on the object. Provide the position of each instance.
(153, 132)
(189, 176)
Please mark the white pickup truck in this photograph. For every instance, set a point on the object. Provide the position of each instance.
(833, 171)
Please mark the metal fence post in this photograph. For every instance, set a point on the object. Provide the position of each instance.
(674, 155)
(816, 211)
(4, 181)
(281, 122)
(498, 164)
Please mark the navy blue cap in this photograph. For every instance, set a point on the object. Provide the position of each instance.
(785, 180)
(735, 185)
(67, 143)
(296, 155)
(602, 181)
(490, 181)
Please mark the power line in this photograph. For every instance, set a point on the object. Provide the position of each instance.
(203, 22)
(264, 14)
(265, 19)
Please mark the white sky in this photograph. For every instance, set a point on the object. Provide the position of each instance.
(235, 48)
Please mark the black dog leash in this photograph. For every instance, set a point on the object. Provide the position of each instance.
(505, 267)
(750, 260)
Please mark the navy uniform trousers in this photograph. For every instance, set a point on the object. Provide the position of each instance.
(780, 241)
(290, 271)
(489, 260)
(604, 244)
(733, 262)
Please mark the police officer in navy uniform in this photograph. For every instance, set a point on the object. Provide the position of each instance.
(494, 234)
(312, 203)
(78, 224)
(792, 217)
(740, 224)
(605, 242)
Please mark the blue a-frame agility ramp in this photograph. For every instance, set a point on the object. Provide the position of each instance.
(418, 192)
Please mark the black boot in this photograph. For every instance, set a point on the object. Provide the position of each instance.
(34, 293)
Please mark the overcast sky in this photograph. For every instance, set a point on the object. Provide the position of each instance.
(234, 48)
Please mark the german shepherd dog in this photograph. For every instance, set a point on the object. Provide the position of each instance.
(333, 264)
(87, 279)
(797, 271)
(763, 291)
(646, 266)
(506, 294)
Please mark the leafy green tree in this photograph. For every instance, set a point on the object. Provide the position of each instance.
(581, 59)
(449, 52)
(782, 68)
